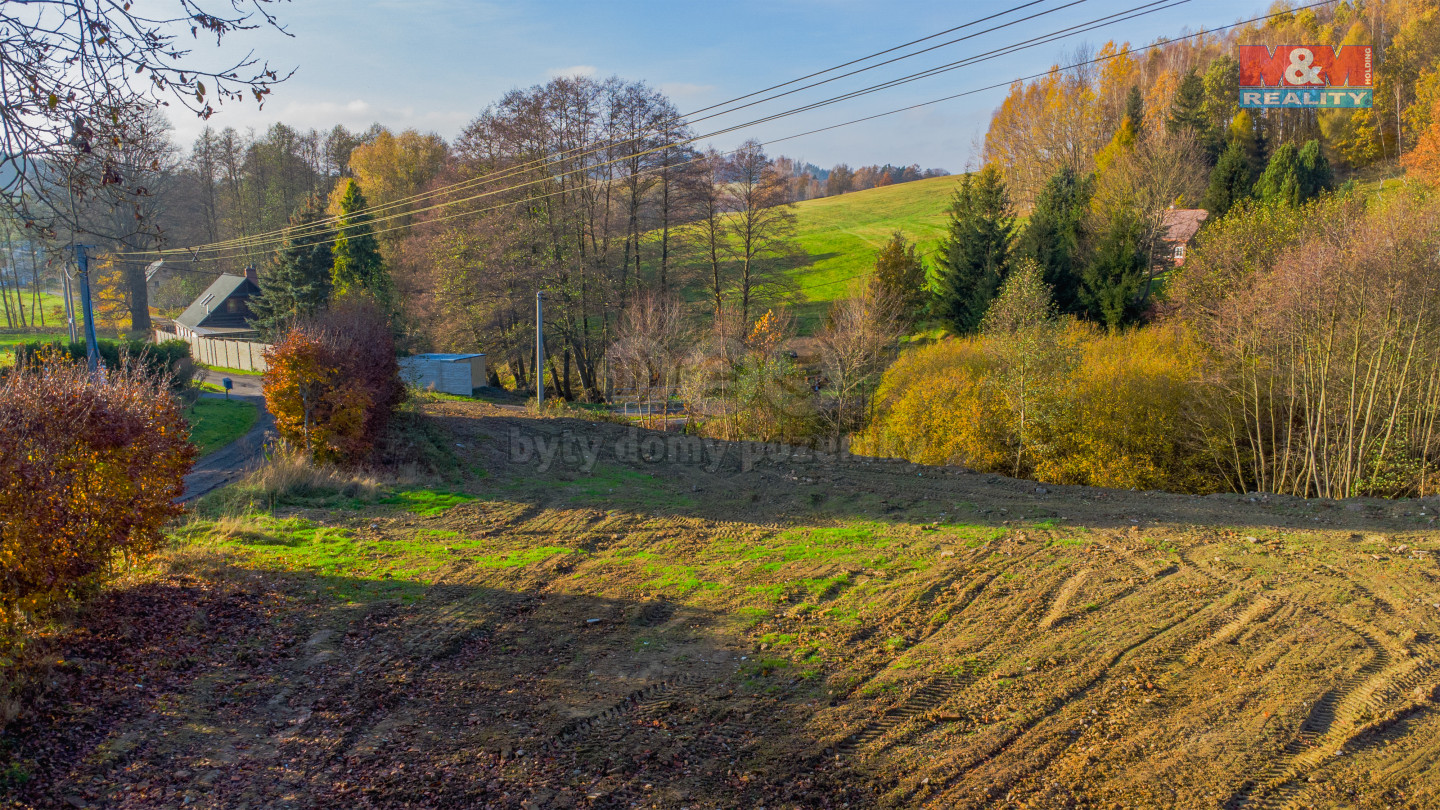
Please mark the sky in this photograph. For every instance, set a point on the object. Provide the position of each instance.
(433, 65)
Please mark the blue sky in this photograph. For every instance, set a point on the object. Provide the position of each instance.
(433, 65)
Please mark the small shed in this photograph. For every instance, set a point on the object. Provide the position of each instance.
(458, 374)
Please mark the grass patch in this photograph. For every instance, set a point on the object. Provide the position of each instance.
(230, 372)
(215, 423)
(841, 236)
(428, 502)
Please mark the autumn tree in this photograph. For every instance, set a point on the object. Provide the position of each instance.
(358, 265)
(651, 341)
(1025, 334)
(899, 278)
(1041, 127)
(761, 227)
(296, 283)
(856, 342)
(393, 167)
(1422, 162)
(975, 252)
(333, 383)
(78, 80)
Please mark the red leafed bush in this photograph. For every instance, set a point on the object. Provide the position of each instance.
(88, 467)
(333, 382)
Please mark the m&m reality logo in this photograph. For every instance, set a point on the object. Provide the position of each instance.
(1306, 76)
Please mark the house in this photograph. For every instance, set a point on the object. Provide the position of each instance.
(1178, 228)
(458, 374)
(223, 310)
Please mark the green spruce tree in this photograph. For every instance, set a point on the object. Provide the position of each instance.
(1230, 181)
(900, 276)
(1111, 286)
(1187, 112)
(1281, 181)
(1316, 176)
(1055, 235)
(975, 253)
(358, 264)
(1135, 108)
(296, 282)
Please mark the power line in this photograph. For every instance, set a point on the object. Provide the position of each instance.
(1111, 19)
(682, 119)
(1096, 60)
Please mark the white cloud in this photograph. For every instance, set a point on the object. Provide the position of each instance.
(683, 90)
(580, 71)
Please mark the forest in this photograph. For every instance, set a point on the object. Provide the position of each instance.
(1077, 342)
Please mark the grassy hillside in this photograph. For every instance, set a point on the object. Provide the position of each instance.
(842, 234)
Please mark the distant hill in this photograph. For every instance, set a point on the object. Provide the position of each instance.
(842, 234)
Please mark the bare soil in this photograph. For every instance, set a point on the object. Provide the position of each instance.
(757, 629)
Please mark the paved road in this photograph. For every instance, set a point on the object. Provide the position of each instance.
(231, 462)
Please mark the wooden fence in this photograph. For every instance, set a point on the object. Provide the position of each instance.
(241, 355)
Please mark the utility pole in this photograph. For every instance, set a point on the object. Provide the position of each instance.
(92, 348)
(69, 303)
(539, 349)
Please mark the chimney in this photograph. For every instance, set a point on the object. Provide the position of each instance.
(252, 275)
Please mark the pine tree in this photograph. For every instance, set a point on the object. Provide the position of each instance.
(358, 264)
(975, 254)
(1135, 108)
(1111, 285)
(900, 276)
(1281, 181)
(1230, 181)
(296, 283)
(1187, 112)
(1054, 236)
(1316, 176)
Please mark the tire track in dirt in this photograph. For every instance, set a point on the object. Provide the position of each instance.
(939, 690)
(926, 788)
(903, 718)
(1334, 718)
(1148, 574)
(1129, 713)
(1062, 599)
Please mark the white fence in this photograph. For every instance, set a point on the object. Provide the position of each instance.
(237, 354)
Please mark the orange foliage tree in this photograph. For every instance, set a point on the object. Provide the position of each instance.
(333, 382)
(1423, 162)
(88, 467)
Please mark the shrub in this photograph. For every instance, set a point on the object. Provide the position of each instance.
(333, 382)
(1322, 345)
(1101, 409)
(169, 359)
(88, 467)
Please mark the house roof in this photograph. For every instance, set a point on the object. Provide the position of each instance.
(209, 302)
(1181, 224)
(447, 357)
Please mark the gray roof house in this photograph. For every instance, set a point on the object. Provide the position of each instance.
(222, 311)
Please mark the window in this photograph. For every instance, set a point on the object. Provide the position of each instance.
(1179, 253)
(232, 305)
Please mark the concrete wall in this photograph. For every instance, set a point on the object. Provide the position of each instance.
(238, 354)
